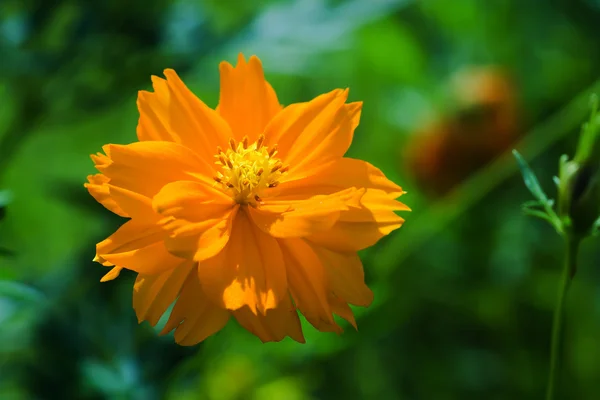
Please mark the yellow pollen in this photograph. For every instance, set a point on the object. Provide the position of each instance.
(248, 170)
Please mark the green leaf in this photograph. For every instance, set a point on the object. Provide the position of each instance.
(589, 141)
(539, 214)
(539, 204)
(530, 179)
(556, 181)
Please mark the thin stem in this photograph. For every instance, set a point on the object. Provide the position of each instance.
(569, 269)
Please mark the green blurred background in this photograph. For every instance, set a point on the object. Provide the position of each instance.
(464, 292)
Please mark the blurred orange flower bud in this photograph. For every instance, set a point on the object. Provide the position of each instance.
(481, 124)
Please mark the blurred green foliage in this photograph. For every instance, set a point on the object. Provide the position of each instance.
(464, 291)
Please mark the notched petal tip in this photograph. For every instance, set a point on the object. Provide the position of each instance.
(100, 260)
(169, 73)
(241, 60)
(157, 80)
(225, 67)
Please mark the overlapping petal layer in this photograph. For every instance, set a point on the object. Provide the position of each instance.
(250, 210)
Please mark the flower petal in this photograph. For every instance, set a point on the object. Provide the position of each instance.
(131, 235)
(340, 174)
(307, 279)
(201, 240)
(173, 113)
(359, 228)
(249, 271)
(112, 274)
(275, 325)
(148, 260)
(191, 200)
(341, 308)
(194, 317)
(145, 167)
(311, 134)
(354, 111)
(338, 307)
(346, 276)
(247, 101)
(97, 187)
(153, 123)
(138, 247)
(302, 218)
(134, 204)
(197, 217)
(153, 294)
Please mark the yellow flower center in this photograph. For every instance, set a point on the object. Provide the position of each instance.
(247, 170)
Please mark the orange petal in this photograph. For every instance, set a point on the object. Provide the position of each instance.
(191, 207)
(250, 270)
(301, 218)
(275, 325)
(138, 247)
(198, 218)
(97, 187)
(307, 279)
(194, 317)
(359, 228)
(311, 134)
(191, 200)
(354, 111)
(247, 101)
(201, 240)
(346, 276)
(145, 167)
(339, 307)
(153, 123)
(132, 235)
(112, 274)
(101, 160)
(340, 174)
(174, 114)
(153, 294)
(148, 260)
(134, 204)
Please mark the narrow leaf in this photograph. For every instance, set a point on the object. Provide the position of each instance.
(556, 181)
(538, 214)
(530, 179)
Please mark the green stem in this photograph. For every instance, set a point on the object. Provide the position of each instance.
(568, 273)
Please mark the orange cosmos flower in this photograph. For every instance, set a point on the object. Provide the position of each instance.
(250, 210)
